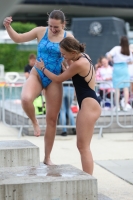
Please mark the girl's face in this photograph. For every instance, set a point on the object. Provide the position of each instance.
(104, 62)
(32, 61)
(55, 26)
(67, 55)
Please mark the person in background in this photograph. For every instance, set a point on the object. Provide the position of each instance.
(82, 72)
(39, 102)
(66, 114)
(28, 67)
(121, 57)
(104, 73)
(98, 64)
(130, 68)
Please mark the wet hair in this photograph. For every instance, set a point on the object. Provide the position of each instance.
(70, 44)
(32, 56)
(58, 15)
(124, 46)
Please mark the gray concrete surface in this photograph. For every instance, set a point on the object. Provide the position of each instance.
(111, 147)
(18, 153)
(57, 182)
(121, 168)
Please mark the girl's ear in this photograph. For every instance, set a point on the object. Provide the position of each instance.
(73, 52)
(64, 25)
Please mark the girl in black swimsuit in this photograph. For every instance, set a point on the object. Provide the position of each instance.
(82, 72)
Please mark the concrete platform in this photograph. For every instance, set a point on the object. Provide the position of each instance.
(62, 182)
(18, 153)
(121, 168)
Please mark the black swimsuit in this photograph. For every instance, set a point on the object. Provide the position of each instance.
(82, 87)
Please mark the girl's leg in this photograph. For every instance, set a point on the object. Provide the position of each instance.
(69, 98)
(31, 89)
(131, 88)
(87, 116)
(53, 95)
(62, 117)
(126, 95)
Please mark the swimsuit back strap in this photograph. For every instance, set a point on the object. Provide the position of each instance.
(88, 59)
(91, 67)
(65, 34)
(88, 72)
(91, 74)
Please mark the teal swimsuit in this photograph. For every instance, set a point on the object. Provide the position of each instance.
(49, 52)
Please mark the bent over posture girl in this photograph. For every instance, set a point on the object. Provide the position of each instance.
(82, 72)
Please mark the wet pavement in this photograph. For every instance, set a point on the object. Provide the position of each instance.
(113, 146)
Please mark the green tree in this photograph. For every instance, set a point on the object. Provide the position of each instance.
(20, 27)
(12, 58)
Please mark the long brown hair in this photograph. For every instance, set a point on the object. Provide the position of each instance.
(58, 15)
(70, 44)
(124, 46)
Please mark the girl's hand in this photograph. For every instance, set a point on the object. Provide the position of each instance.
(39, 64)
(7, 21)
(64, 67)
(69, 62)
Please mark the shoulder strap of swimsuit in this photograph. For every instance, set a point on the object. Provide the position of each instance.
(88, 58)
(91, 74)
(46, 33)
(91, 67)
(65, 33)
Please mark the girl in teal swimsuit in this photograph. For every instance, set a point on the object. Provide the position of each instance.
(48, 49)
(49, 52)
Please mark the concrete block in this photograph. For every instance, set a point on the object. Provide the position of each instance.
(62, 182)
(18, 153)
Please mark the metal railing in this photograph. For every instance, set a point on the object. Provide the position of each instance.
(125, 120)
(12, 114)
(107, 105)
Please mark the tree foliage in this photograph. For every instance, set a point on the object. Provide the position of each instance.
(12, 58)
(20, 27)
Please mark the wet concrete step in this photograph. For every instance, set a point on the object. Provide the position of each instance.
(62, 182)
(18, 153)
(103, 197)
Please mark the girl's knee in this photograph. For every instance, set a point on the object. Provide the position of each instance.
(82, 148)
(25, 99)
(51, 120)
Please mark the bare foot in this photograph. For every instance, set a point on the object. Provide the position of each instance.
(48, 162)
(37, 130)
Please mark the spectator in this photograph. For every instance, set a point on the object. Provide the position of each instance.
(66, 113)
(39, 102)
(98, 64)
(130, 68)
(104, 73)
(28, 67)
(121, 57)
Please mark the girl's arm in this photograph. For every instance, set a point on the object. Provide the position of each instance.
(16, 37)
(64, 66)
(75, 68)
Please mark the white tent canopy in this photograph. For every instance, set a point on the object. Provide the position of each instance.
(4, 38)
